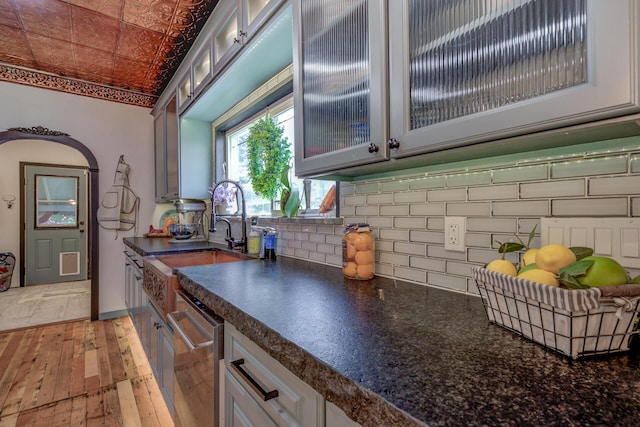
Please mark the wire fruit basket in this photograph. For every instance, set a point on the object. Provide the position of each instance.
(575, 323)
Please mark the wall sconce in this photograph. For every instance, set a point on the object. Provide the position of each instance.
(9, 198)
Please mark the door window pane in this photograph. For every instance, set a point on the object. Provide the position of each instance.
(56, 201)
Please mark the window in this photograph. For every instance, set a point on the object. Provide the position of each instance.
(237, 169)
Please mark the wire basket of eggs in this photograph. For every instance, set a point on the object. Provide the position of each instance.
(358, 252)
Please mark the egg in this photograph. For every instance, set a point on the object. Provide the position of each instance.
(364, 257)
(365, 271)
(350, 269)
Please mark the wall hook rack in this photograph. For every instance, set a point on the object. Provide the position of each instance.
(9, 199)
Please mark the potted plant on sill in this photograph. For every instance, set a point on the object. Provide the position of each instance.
(269, 157)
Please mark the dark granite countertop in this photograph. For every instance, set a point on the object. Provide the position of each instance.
(145, 246)
(394, 353)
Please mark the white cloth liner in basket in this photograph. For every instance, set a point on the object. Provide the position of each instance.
(573, 322)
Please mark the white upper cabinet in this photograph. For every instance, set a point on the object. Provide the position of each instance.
(339, 84)
(466, 71)
(454, 73)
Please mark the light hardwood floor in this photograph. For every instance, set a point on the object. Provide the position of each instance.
(78, 374)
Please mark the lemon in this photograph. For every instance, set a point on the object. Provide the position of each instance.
(502, 266)
(540, 276)
(529, 256)
(553, 257)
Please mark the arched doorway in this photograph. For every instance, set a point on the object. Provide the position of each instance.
(41, 133)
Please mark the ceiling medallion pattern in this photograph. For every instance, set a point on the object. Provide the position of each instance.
(76, 87)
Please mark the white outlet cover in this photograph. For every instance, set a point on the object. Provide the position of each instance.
(458, 222)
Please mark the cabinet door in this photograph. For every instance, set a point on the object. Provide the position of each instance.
(241, 410)
(184, 91)
(471, 71)
(339, 84)
(128, 285)
(227, 40)
(172, 150)
(167, 365)
(155, 337)
(202, 69)
(255, 13)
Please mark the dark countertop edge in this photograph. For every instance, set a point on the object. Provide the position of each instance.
(145, 246)
(360, 404)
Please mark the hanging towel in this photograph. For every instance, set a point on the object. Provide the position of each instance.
(120, 204)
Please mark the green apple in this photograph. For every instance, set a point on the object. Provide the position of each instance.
(604, 272)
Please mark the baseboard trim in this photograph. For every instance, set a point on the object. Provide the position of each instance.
(112, 314)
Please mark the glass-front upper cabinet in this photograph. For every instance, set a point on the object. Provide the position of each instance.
(202, 69)
(467, 71)
(339, 84)
(184, 91)
(255, 14)
(226, 39)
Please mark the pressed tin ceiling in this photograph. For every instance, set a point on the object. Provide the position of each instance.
(119, 50)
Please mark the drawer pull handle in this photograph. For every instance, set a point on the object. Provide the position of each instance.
(265, 395)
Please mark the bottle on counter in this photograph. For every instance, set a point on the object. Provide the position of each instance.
(358, 252)
(253, 244)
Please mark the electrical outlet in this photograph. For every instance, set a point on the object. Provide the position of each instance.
(454, 232)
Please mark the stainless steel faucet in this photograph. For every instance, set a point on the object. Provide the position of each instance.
(242, 244)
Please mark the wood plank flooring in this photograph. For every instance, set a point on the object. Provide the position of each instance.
(78, 374)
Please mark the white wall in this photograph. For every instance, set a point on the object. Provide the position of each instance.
(108, 129)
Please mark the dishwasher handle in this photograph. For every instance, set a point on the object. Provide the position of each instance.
(192, 346)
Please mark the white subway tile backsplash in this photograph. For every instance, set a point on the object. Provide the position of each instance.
(410, 248)
(394, 210)
(456, 194)
(427, 209)
(468, 209)
(406, 214)
(447, 281)
(410, 222)
(520, 173)
(354, 201)
(410, 274)
(618, 185)
(394, 185)
(379, 199)
(493, 192)
(438, 251)
(427, 182)
(391, 234)
(394, 259)
(426, 236)
(468, 178)
(492, 225)
(410, 196)
(521, 208)
(366, 188)
(557, 188)
(431, 264)
(590, 207)
(586, 167)
(366, 210)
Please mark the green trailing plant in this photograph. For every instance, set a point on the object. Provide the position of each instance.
(269, 155)
(290, 197)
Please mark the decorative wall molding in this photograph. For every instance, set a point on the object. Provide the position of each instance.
(42, 80)
(39, 130)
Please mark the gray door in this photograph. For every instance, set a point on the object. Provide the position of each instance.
(55, 218)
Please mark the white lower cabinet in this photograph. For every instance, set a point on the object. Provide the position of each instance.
(159, 349)
(259, 391)
(335, 417)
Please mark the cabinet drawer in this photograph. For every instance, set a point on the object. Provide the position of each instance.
(295, 403)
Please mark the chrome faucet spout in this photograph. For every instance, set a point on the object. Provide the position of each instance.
(242, 244)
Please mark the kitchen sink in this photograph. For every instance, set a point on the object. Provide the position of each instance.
(159, 281)
(188, 259)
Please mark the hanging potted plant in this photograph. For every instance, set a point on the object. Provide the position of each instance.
(269, 157)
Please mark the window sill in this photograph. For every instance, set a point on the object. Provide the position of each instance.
(294, 220)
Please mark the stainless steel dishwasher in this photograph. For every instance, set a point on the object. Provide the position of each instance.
(198, 348)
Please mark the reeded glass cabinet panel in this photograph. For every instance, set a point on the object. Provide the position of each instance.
(469, 56)
(467, 71)
(340, 86)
